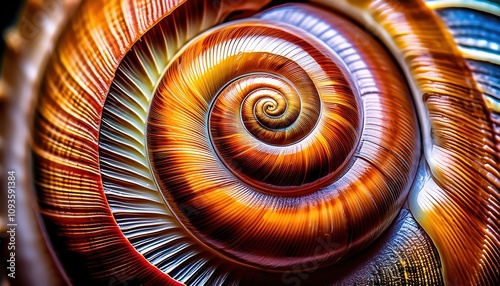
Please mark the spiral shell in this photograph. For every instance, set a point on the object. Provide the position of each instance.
(213, 142)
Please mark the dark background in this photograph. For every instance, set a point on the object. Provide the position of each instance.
(9, 11)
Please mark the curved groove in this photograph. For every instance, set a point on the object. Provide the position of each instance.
(267, 137)
(444, 92)
(184, 163)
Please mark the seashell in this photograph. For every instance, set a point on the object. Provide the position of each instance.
(255, 142)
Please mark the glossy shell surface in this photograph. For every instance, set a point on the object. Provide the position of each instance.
(256, 142)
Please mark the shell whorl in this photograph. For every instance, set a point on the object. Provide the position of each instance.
(459, 138)
(212, 142)
(317, 169)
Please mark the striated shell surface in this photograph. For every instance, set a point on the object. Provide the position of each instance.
(218, 142)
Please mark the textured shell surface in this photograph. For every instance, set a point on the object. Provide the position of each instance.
(259, 142)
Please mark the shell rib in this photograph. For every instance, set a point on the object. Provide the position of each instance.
(29, 45)
(458, 207)
(70, 154)
(66, 152)
(273, 229)
(124, 121)
(246, 142)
